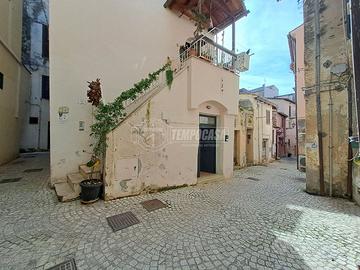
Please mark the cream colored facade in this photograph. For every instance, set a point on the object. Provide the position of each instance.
(131, 167)
(259, 140)
(16, 79)
(121, 48)
(125, 49)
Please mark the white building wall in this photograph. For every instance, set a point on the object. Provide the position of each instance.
(131, 39)
(35, 136)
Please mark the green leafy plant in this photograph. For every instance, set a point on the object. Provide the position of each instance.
(201, 21)
(109, 115)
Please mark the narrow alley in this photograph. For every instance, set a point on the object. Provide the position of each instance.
(260, 219)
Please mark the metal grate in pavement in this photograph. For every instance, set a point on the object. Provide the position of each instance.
(253, 178)
(67, 265)
(122, 221)
(301, 179)
(152, 205)
(31, 156)
(10, 180)
(34, 170)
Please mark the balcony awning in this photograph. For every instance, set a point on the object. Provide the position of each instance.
(222, 12)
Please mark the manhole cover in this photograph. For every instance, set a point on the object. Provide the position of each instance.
(122, 221)
(10, 180)
(152, 205)
(68, 265)
(253, 178)
(34, 170)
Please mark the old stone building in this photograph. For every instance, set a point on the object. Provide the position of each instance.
(328, 94)
(254, 143)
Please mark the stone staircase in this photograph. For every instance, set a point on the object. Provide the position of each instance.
(70, 189)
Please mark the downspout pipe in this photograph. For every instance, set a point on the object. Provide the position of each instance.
(318, 96)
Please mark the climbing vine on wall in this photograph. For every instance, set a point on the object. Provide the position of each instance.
(108, 116)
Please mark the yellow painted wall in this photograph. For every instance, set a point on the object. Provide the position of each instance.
(16, 80)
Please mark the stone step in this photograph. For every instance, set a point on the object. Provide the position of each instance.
(86, 172)
(65, 192)
(210, 178)
(74, 180)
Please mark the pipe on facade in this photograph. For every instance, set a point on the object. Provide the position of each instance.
(259, 153)
(318, 96)
(350, 154)
(330, 144)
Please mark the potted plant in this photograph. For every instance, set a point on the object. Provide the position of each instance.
(91, 188)
(192, 52)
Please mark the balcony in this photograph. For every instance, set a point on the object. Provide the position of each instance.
(208, 50)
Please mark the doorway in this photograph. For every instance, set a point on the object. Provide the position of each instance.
(207, 144)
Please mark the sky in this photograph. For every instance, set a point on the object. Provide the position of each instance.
(265, 31)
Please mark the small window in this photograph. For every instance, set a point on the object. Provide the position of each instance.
(1, 81)
(267, 117)
(33, 120)
(45, 41)
(45, 87)
(289, 111)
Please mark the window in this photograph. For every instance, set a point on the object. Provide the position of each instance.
(45, 87)
(45, 41)
(33, 120)
(267, 117)
(1, 81)
(289, 111)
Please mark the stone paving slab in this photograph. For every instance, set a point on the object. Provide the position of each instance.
(235, 224)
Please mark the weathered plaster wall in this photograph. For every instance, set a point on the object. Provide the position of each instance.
(261, 131)
(132, 168)
(244, 121)
(333, 52)
(131, 39)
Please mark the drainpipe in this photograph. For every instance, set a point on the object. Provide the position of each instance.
(350, 153)
(296, 102)
(258, 132)
(318, 97)
(330, 143)
(39, 125)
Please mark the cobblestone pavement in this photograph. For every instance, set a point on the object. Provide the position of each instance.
(236, 224)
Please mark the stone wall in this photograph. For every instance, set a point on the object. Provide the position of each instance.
(334, 52)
